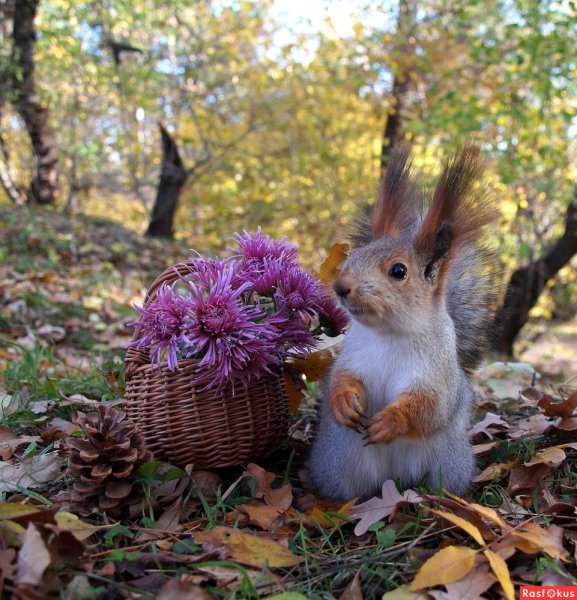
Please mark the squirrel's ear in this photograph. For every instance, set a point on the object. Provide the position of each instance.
(399, 202)
(434, 257)
(456, 215)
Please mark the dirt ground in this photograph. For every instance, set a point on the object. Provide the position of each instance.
(552, 350)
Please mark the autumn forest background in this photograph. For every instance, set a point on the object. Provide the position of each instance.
(276, 118)
(133, 132)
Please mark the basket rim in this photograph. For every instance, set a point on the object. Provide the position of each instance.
(152, 371)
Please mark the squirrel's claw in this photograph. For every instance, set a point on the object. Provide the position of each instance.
(346, 402)
(386, 426)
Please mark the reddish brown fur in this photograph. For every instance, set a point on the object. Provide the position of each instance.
(347, 398)
(412, 414)
(455, 206)
(399, 202)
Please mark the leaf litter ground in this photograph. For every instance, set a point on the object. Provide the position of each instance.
(66, 293)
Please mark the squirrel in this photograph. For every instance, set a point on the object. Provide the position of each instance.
(420, 290)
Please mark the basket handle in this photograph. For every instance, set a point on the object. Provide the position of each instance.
(135, 358)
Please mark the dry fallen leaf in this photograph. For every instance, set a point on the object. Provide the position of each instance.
(491, 472)
(551, 457)
(329, 270)
(533, 425)
(295, 390)
(462, 523)
(499, 567)
(7, 567)
(248, 548)
(79, 529)
(281, 496)
(564, 408)
(9, 441)
(490, 424)
(472, 585)
(446, 566)
(376, 508)
(262, 515)
(549, 540)
(484, 511)
(319, 513)
(315, 366)
(524, 478)
(29, 473)
(567, 424)
(179, 589)
(33, 558)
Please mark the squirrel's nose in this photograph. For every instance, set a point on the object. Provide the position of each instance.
(342, 288)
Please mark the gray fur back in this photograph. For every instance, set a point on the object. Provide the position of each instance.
(471, 298)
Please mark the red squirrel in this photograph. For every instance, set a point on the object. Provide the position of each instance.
(419, 286)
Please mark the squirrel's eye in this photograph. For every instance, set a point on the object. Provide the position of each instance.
(398, 271)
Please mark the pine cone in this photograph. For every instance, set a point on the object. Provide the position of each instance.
(103, 465)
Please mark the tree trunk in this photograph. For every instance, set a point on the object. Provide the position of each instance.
(402, 83)
(527, 283)
(173, 176)
(8, 177)
(34, 115)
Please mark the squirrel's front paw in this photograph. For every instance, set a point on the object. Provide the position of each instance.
(386, 425)
(347, 400)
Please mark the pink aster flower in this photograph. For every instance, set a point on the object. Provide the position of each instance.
(299, 292)
(232, 340)
(162, 321)
(264, 275)
(205, 271)
(292, 334)
(260, 246)
(333, 319)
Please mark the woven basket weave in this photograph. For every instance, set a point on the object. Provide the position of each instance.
(209, 429)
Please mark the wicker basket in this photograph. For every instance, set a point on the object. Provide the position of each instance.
(206, 428)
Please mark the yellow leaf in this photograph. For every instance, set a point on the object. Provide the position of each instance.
(447, 566)
(483, 511)
(318, 514)
(12, 533)
(401, 593)
(491, 472)
(10, 510)
(330, 268)
(471, 529)
(501, 570)
(549, 540)
(249, 549)
(70, 522)
(552, 457)
(488, 513)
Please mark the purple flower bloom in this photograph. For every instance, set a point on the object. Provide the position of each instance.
(260, 246)
(162, 321)
(264, 275)
(333, 319)
(233, 340)
(299, 292)
(292, 333)
(239, 317)
(206, 271)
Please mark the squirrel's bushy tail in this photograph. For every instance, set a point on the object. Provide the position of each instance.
(448, 239)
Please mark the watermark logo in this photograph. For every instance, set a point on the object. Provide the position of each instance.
(560, 592)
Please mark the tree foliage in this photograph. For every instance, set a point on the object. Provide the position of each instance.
(282, 126)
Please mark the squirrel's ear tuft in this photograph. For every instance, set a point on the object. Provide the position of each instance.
(399, 203)
(457, 213)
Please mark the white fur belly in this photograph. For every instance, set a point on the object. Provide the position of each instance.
(386, 365)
